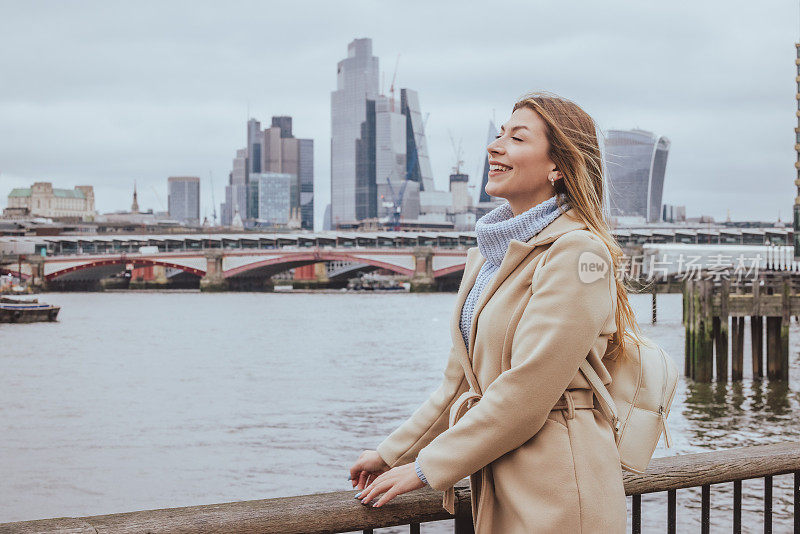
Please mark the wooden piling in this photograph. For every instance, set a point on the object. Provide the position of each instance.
(737, 342)
(773, 347)
(721, 332)
(757, 345)
(786, 304)
(655, 309)
(704, 347)
(757, 332)
(688, 323)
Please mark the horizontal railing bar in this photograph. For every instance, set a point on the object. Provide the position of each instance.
(340, 512)
(698, 469)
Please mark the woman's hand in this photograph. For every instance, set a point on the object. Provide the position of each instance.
(368, 466)
(392, 483)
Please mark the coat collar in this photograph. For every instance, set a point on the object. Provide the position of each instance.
(517, 252)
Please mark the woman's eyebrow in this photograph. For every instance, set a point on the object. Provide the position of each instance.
(514, 129)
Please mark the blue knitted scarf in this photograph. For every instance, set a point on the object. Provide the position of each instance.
(495, 230)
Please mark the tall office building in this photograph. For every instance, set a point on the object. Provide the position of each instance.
(271, 193)
(391, 162)
(636, 161)
(379, 154)
(271, 150)
(236, 190)
(353, 181)
(418, 163)
(184, 198)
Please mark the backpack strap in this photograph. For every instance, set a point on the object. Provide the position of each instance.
(607, 405)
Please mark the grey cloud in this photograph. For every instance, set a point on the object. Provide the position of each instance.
(109, 92)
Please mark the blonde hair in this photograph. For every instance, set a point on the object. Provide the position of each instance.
(574, 149)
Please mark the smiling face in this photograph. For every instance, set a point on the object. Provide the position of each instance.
(519, 162)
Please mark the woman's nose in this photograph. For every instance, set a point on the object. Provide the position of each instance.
(494, 148)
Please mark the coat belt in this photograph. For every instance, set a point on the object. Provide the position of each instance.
(571, 399)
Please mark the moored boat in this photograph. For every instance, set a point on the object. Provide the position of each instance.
(20, 311)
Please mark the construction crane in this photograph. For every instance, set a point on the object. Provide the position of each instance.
(457, 152)
(160, 203)
(213, 202)
(391, 87)
(396, 205)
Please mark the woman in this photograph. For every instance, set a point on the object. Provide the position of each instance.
(538, 296)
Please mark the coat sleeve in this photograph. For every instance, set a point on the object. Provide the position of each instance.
(563, 318)
(428, 421)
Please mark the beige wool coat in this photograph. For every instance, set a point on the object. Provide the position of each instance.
(513, 412)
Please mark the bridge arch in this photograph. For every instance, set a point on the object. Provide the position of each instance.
(139, 262)
(290, 261)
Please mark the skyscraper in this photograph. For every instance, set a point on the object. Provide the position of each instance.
(379, 154)
(271, 150)
(636, 162)
(418, 164)
(354, 193)
(236, 190)
(272, 197)
(184, 198)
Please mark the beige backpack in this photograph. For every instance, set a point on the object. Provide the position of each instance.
(638, 399)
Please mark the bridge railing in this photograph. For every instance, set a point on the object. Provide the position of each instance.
(340, 512)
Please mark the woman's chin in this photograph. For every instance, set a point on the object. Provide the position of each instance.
(496, 192)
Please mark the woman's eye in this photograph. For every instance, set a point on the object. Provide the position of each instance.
(497, 137)
(516, 139)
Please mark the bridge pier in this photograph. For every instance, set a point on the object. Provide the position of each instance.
(158, 280)
(314, 276)
(214, 279)
(422, 280)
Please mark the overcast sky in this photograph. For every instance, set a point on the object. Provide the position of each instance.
(105, 93)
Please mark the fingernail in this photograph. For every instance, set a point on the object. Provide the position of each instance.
(375, 505)
(358, 495)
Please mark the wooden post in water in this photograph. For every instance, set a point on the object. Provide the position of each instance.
(756, 332)
(737, 355)
(786, 318)
(688, 324)
(721, 330)
(685, 304)
(704, 346)
(773, 347)
(692, 322)
(655, 311)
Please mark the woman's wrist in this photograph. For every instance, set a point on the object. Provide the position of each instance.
(420, 474)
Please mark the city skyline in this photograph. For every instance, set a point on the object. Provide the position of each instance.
(171, 104)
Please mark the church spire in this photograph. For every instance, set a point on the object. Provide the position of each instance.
(135, 205)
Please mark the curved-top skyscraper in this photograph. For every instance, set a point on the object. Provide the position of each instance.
(636, 161)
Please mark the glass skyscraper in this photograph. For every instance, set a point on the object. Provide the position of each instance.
(271, 193)
(418, 164)
(636, 161)
(377, 144)
(353, 194)
(184, 198)
(271, 150)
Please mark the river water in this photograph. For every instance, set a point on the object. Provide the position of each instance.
(144, 400)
